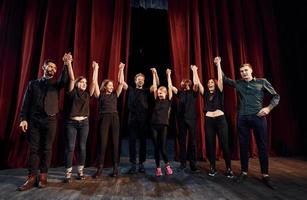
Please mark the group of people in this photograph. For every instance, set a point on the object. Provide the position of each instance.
(40, 107)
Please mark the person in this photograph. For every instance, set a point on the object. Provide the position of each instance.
(108, 118)
(160, 120)
(215, 120)
(137, 121)
(186, 116)
(76, 121)
(252, 116)
(38, 118)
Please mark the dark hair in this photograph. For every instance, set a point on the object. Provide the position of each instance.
(78, 80)
(48, 61)
(246, 64)
(104, 83)
(214, 80)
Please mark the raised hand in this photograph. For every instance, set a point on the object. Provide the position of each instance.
(193, 67)
(217, 60)
(121, 66)
(168, 72)
(95, 65)
(153, 70)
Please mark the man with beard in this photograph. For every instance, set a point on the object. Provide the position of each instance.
(39, 121)
(138, 113)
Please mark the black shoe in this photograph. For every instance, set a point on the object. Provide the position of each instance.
(80, 176)
(229, 173)
(182, 167)
(212, 172)
(132, 169)
(194, 168)
(115, 172)
(267, 181)
(242, 177)
(98, 173)
(141, 168)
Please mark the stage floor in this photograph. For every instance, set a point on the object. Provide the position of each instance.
(289, 175)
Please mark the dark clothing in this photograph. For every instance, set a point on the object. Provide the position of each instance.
(78, 103)
(251, 94)
(39, 109)
(107, 103)
(108, 122)
(137, 129)
(159, 134)
(41, 136)
(259, 126)
(214, 101)
(42, 96)
(161, 112)
(217, 126)
(187, 104)
(183, 126)
(137, 104)
(76, 130)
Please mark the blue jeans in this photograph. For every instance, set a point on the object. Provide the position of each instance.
(76, 130)
(246, 123)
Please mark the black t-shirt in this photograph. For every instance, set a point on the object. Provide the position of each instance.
(107, 103)
(214, 101)
(78, 103)
(137, 103)
(161, 112)
(186, 104)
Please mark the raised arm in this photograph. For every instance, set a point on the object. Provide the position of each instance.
(67, 58)
(169, 84)
(154, 86)
(217, 61)
(121, 79)
(94, 88)
(196, 80)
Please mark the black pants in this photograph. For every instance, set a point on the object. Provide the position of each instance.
(137, 129)
(159, 134)
(259, 126)
(76, 131)
(184, 126)
(217, 125)
(108, 124)
(40, 137)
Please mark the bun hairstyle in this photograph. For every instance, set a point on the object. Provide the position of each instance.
(104, 83)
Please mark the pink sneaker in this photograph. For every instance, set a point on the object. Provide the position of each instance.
(168, 169)
(159, 171)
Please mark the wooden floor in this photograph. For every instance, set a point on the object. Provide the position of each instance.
(289, 175)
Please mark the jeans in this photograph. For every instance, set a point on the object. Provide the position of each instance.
(246, 123)
(76, 131)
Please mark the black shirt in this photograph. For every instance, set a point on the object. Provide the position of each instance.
(107, 103)
(78, 103)
(137, 104)
(214, 101)
(161, 112)
(187, 104)
(42, 96)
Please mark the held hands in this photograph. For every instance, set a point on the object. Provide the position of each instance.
(95, 65)
(121, 66)
(168, 72)
(264, 111)
(67, 58)
(217, 60)
(193, 67)
(153, 70)
(24, 126)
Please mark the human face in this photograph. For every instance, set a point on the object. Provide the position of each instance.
(185, 85)
(82, 84)
(49, 69)
(246, 72)
(139, 81)
(162, 92)
(109, 87)
(211, 85)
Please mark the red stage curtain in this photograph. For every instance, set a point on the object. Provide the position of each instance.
(36, 30)
(239, 32)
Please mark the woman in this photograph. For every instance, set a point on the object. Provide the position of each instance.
(108, 117)
(160, 120)
(215, 121)
(76, 123)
